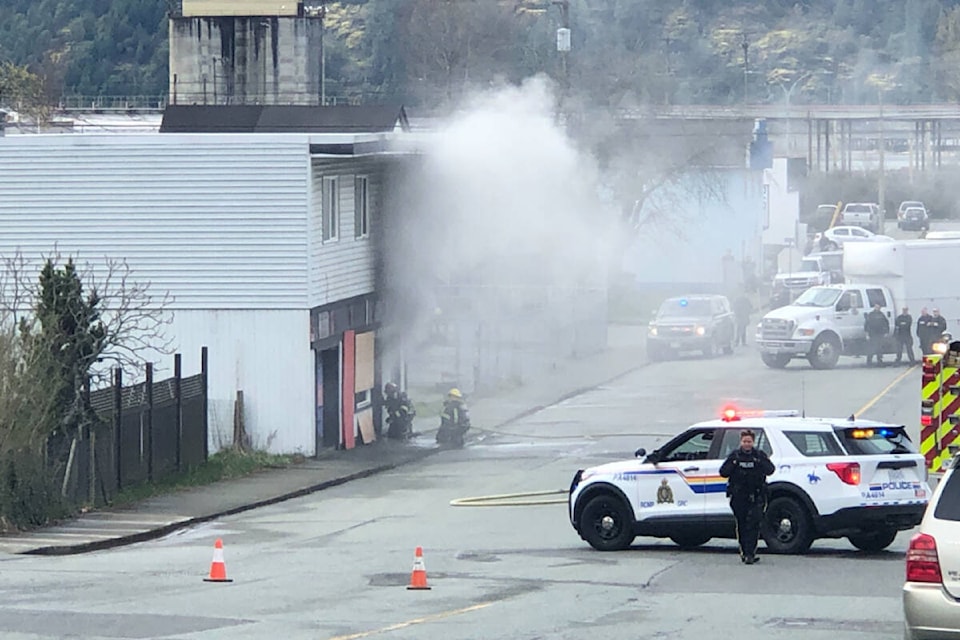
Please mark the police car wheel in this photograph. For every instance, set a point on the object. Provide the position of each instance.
(689, 541)
(606, 523)
(787, 527)
(873, 541)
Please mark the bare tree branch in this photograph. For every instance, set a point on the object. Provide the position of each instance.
(135, 321)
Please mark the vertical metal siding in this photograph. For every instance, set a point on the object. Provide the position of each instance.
(267, 355)
(219, 222)
(346, 267)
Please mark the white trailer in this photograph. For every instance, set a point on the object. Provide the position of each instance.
(919, 273)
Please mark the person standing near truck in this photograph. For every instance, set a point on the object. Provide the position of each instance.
(925, 331)
(902, 327)
(742, 308)
(877, 328)
(939, 326)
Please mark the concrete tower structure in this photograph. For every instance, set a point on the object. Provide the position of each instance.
(246, 52)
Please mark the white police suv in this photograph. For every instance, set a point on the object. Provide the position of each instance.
(834, 478)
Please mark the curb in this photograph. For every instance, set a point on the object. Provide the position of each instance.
(153, 534)
(159, 532)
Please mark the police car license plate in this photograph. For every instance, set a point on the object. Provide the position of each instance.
(674, 345)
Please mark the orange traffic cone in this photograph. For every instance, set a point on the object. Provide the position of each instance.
(418, 579)
(218, 568)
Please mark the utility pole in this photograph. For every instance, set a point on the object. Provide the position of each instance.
(323, 55)
(564, 44)
(881, 180)
(746, 66)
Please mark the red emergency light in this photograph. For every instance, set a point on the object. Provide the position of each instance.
(732, 414)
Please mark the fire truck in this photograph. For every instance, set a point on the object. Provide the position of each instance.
(940, 404)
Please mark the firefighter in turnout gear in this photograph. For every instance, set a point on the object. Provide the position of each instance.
(877, 328)
(454, 420)
(747, 469)
(400, 412)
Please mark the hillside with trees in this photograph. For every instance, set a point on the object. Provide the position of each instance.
(624, 52)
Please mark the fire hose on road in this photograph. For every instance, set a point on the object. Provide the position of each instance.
(534, 498)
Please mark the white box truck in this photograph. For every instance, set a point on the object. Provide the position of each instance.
(919, 273)
(825, 323)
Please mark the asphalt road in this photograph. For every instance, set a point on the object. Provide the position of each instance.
(334, 565)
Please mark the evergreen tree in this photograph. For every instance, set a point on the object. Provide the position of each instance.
(65, 341)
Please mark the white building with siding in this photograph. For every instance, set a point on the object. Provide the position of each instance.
(264, 241)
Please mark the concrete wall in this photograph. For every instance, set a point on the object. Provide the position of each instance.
(245, 60)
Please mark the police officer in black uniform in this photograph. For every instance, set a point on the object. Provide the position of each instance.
(877, 328)
(903, 325)
(925, 332)
(747, 469)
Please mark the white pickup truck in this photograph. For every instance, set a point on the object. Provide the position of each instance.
(809, 273)
(826, 322)
(862, 214)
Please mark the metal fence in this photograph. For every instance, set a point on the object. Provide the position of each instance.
(100, 103)
(146, 432)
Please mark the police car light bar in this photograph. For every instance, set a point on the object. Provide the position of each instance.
(731, 414)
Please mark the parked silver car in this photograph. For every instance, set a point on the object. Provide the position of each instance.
(931, 593)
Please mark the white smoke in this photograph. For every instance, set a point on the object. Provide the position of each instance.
(502, 231)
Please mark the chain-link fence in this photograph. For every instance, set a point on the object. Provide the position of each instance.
(482, 338)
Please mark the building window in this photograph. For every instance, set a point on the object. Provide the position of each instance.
(331, 208)
(361, 207)
(363, 399)
(324, 326)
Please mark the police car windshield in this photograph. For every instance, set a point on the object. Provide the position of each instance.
(817, 297)
(874, 441)
(684, 308)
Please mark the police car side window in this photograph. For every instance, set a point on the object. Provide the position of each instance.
(731, 441)
(696, 447)
(814, 443)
